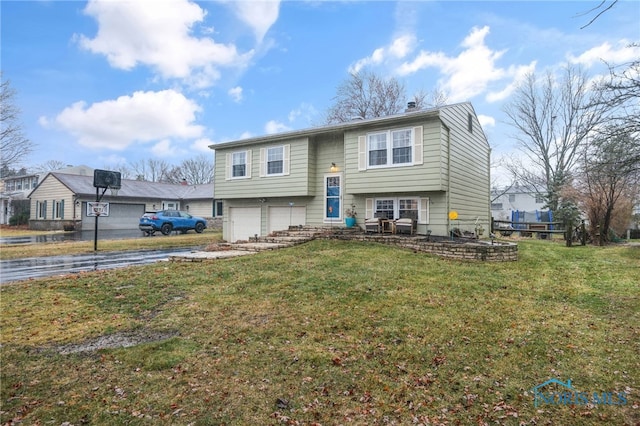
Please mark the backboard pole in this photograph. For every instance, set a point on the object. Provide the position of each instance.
(95, 230)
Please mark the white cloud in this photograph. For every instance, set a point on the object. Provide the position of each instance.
(142, 117)
(399, 48)
(467, 74)
(235, 93)
(620, 54)
(517, 73)
(305, 111)
(274, 126)
(202, 145)
(486, 121)
(246, 135)
(164, 148)
(159, 35)
(259, 15)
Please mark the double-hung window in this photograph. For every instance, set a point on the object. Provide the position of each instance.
(275, 160)
(401, 146)
(390, 148)
(239, 164)
(378, 149)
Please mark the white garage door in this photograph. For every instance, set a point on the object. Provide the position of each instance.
(121, 216)
(244, 223)
(281, 217)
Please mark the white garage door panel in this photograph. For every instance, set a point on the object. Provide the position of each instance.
(244, 222)
(121, 216)
(281, 217)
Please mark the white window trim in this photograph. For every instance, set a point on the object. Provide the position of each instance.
(417, 135)
(286, 149)
(229, 165)
(423, 207)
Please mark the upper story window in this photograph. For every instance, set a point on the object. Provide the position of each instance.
(239, 164)
(512, 198)
(275, 160)
(390, 148)
(539, 199)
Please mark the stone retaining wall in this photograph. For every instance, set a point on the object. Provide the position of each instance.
(498, 252)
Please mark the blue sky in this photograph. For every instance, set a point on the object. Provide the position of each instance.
(105, 83)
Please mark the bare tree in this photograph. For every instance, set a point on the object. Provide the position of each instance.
(151, 170)
(598, 10)
(552, 117)
(620, 95)
(50, 165)
(607, 180)
(198, 170)
(366, 95)
(14, 145)
(433, 99)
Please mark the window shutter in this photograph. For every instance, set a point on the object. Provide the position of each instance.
(286, 163)
(228, 167)
(362, 153)
(263, 162)
(45, 209)
(368, 209)
(248, 164)
(61, 209)
(424, 210)
(418, 135)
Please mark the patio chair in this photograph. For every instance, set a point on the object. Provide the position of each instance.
(372, 225)
(404, 226)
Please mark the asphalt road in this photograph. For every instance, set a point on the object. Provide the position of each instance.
(38, 267)
(114, 234)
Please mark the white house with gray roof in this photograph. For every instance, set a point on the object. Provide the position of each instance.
(60, 201)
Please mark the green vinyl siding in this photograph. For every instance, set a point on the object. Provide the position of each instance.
(428, 176)
(295, 183)
(469, 186)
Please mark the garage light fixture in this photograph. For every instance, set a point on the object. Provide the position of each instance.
(333, 168)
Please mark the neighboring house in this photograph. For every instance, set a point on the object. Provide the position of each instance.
(60, 201)
(12, 189)
(18, 188)
(420, 164)
(515, 198)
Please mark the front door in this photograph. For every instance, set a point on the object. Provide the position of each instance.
(333, 198)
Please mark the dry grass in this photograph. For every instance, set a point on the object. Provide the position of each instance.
(329, 333)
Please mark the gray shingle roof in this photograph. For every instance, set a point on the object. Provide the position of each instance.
(83, 186)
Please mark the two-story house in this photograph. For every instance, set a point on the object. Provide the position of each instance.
(421, 164)
(504, 201)
(13, 190)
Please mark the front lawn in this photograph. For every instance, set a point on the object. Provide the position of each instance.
(329, 332)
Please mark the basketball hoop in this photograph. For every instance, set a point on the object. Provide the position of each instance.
(96, 209)
(114, 191)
